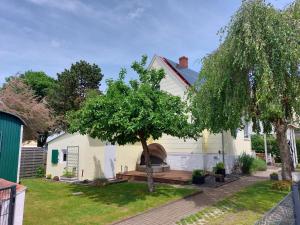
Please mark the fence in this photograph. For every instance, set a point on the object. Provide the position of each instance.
(7, 205)
(31, 159)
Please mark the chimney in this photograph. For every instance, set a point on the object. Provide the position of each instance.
(184, 62)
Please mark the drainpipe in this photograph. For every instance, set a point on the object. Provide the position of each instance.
(223, 153)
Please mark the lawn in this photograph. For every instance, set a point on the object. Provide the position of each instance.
(244, 207)
(51, 203)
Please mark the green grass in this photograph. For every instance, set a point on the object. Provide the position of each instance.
(51, 203)
(244, 207)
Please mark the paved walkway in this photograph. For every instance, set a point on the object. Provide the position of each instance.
(173, 212)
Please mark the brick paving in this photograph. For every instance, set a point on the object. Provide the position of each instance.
(173, 212)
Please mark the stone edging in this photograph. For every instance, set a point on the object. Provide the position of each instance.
(150, 210)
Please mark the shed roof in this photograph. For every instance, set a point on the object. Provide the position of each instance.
(14, 115)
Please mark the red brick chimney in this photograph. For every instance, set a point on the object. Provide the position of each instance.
(184, 62)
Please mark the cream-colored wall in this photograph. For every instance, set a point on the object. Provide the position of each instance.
(127, 157)
(175, 86)
(91, 155)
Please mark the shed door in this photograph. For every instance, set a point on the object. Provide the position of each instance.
(110, 159)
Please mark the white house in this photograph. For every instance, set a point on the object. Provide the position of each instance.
(90, 158)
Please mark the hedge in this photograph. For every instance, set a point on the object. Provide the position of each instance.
(257, 142)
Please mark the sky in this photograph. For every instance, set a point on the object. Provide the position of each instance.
(50, 35)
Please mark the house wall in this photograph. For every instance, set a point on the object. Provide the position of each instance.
(127, 156)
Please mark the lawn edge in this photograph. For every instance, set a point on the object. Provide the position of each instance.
(149, 210)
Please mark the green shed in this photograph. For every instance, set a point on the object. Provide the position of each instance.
(11, 132)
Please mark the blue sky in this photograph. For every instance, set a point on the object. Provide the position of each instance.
(49, 35)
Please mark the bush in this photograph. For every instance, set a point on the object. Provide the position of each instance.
(258, 165)
(198, 173)
(220, 166)
(282, 185)
(49, 176)
(68, 173)
(40, 172)
(246, 162)
(257, 144)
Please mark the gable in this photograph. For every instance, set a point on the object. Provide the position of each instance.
(172, 83)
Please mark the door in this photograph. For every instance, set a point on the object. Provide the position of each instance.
(110, 160)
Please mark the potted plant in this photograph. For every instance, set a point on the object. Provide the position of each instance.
(198, 177)
(274, 176)
(220, 169)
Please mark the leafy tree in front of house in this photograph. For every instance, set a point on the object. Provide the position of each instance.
(72, 88)
(253, 75)
(134, 112)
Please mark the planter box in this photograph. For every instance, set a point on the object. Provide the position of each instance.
(221, 171)
(198, 180)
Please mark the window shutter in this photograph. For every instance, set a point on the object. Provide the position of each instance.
(54, 158)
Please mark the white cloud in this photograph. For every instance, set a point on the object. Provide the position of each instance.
(66, 5)
(136, 13)
(55, 44)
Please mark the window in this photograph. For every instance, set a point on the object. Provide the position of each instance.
(246, 131)
(64, 153)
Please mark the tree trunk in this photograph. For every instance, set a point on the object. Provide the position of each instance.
(285, 154)
(149, 170)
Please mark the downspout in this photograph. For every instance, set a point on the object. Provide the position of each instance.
(223, 153)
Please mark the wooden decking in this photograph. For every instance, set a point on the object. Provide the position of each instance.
(170, 177)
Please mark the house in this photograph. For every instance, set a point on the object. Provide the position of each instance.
(11, 132)
(90, 158)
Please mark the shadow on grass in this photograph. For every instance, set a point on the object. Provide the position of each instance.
(124, 193)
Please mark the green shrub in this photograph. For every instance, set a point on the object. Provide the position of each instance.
(257, 144)
(246, 162)
(282, 185)
(68, 174)
(49, 176)
(198, 173)
(258, 165)
(220, 166)
(40, 172)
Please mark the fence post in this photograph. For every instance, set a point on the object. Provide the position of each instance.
(12, 201)
(296, 200)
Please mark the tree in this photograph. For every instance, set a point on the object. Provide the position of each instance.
(134, 112)
(16, 97)
(253, 75)
(72, 88)
(39, 82)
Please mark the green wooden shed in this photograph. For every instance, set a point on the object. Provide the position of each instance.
(11, 132)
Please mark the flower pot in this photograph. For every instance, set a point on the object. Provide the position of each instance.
(274, 176)
(220, 178)
(198, 179)
(221, 171)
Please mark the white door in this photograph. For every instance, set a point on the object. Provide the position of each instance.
(110, 159)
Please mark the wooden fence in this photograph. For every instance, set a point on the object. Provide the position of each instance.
(31, 159)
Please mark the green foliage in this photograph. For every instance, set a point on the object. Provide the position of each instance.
(253, 75)
(257, 142)
(258, 165)
(220, 166)
(49, 176)
(198, 173)
(39, 81)
(68, 174)
(40, 172)
(129, 113)
(72, 87)
(282, 185)
(246, 162)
